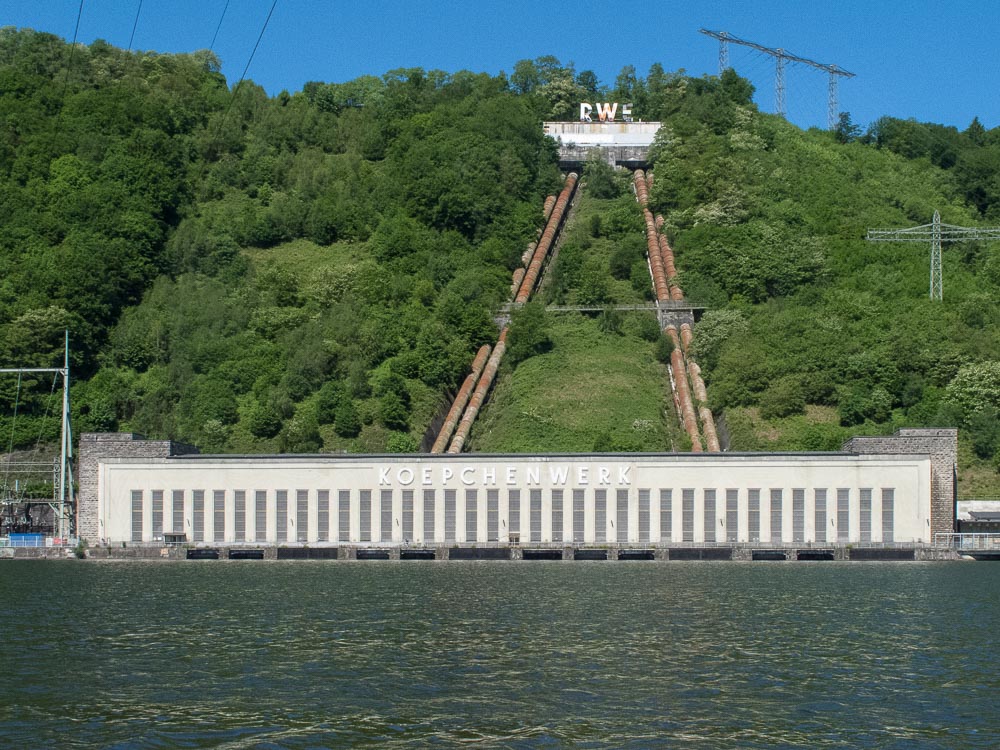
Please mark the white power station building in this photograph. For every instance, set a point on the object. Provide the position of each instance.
(878, 490)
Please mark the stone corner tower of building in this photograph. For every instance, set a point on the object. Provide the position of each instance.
(942, 447)
(98, 446)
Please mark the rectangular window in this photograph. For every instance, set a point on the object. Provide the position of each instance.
(732, 515)
(449, 515)
(136, 515)
(579, 516)
(260, 515)
(888, 508)
(666, 515)
(177, 521)
(302, 515)
(199, 515)
(471, 515)
(282, 506)
(557, 515)
(492, 515)
(514, 511)
(535, 517)
(622, 521)
(866, 515)
(753, 515)
(776, 515)
(429, 516)
(820, 511)
(709, 515)
(219, 515)
(240, 515)
(344, 515)
(687, 515)
(644, 515)
(407, 515)
(157, 514)
(323, 516)
(798, 515)
(601, 515)
(385, 516)
(365, 506)
(843, 514)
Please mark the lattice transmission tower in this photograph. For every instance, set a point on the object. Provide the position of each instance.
(935, 233)
(782, 56)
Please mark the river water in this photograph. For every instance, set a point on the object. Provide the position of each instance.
(530, 654)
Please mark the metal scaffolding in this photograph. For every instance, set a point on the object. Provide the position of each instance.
(14, 494)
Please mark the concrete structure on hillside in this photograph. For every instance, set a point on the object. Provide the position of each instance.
(623, 144)
(882, 490)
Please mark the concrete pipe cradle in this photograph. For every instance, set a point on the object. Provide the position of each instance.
(458, 405)
(547, 239)
(479, 396)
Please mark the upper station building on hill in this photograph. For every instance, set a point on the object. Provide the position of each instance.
(608, 127)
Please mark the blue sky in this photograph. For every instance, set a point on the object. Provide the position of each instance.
(932, 61)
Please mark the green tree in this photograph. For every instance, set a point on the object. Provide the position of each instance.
(528, 334)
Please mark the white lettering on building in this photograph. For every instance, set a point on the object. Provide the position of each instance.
(558, 475)
(606, 111)
(623, 477)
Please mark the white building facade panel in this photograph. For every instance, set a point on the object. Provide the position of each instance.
(636, 500)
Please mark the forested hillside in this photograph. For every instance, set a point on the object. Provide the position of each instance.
(314, 271)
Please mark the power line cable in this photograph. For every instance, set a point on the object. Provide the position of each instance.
(216, 34)
(69, 65)
(134, 25)
(247, 67)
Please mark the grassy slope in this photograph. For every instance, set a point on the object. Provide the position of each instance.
(588, 384)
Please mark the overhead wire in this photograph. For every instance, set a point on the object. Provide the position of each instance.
(48, 410)
(10, 444)
(246, 68)
(215, 36)
(134, 25)
(69, 64)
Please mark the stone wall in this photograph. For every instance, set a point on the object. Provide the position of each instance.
(96, 446)
(942, 446)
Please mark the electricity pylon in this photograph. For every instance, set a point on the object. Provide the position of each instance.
(781, 57)
(935, 233)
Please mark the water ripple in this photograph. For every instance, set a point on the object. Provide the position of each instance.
(520, 655)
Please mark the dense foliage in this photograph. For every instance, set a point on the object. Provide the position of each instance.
(315, 271)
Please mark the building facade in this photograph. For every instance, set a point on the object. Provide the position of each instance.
(897, 489)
